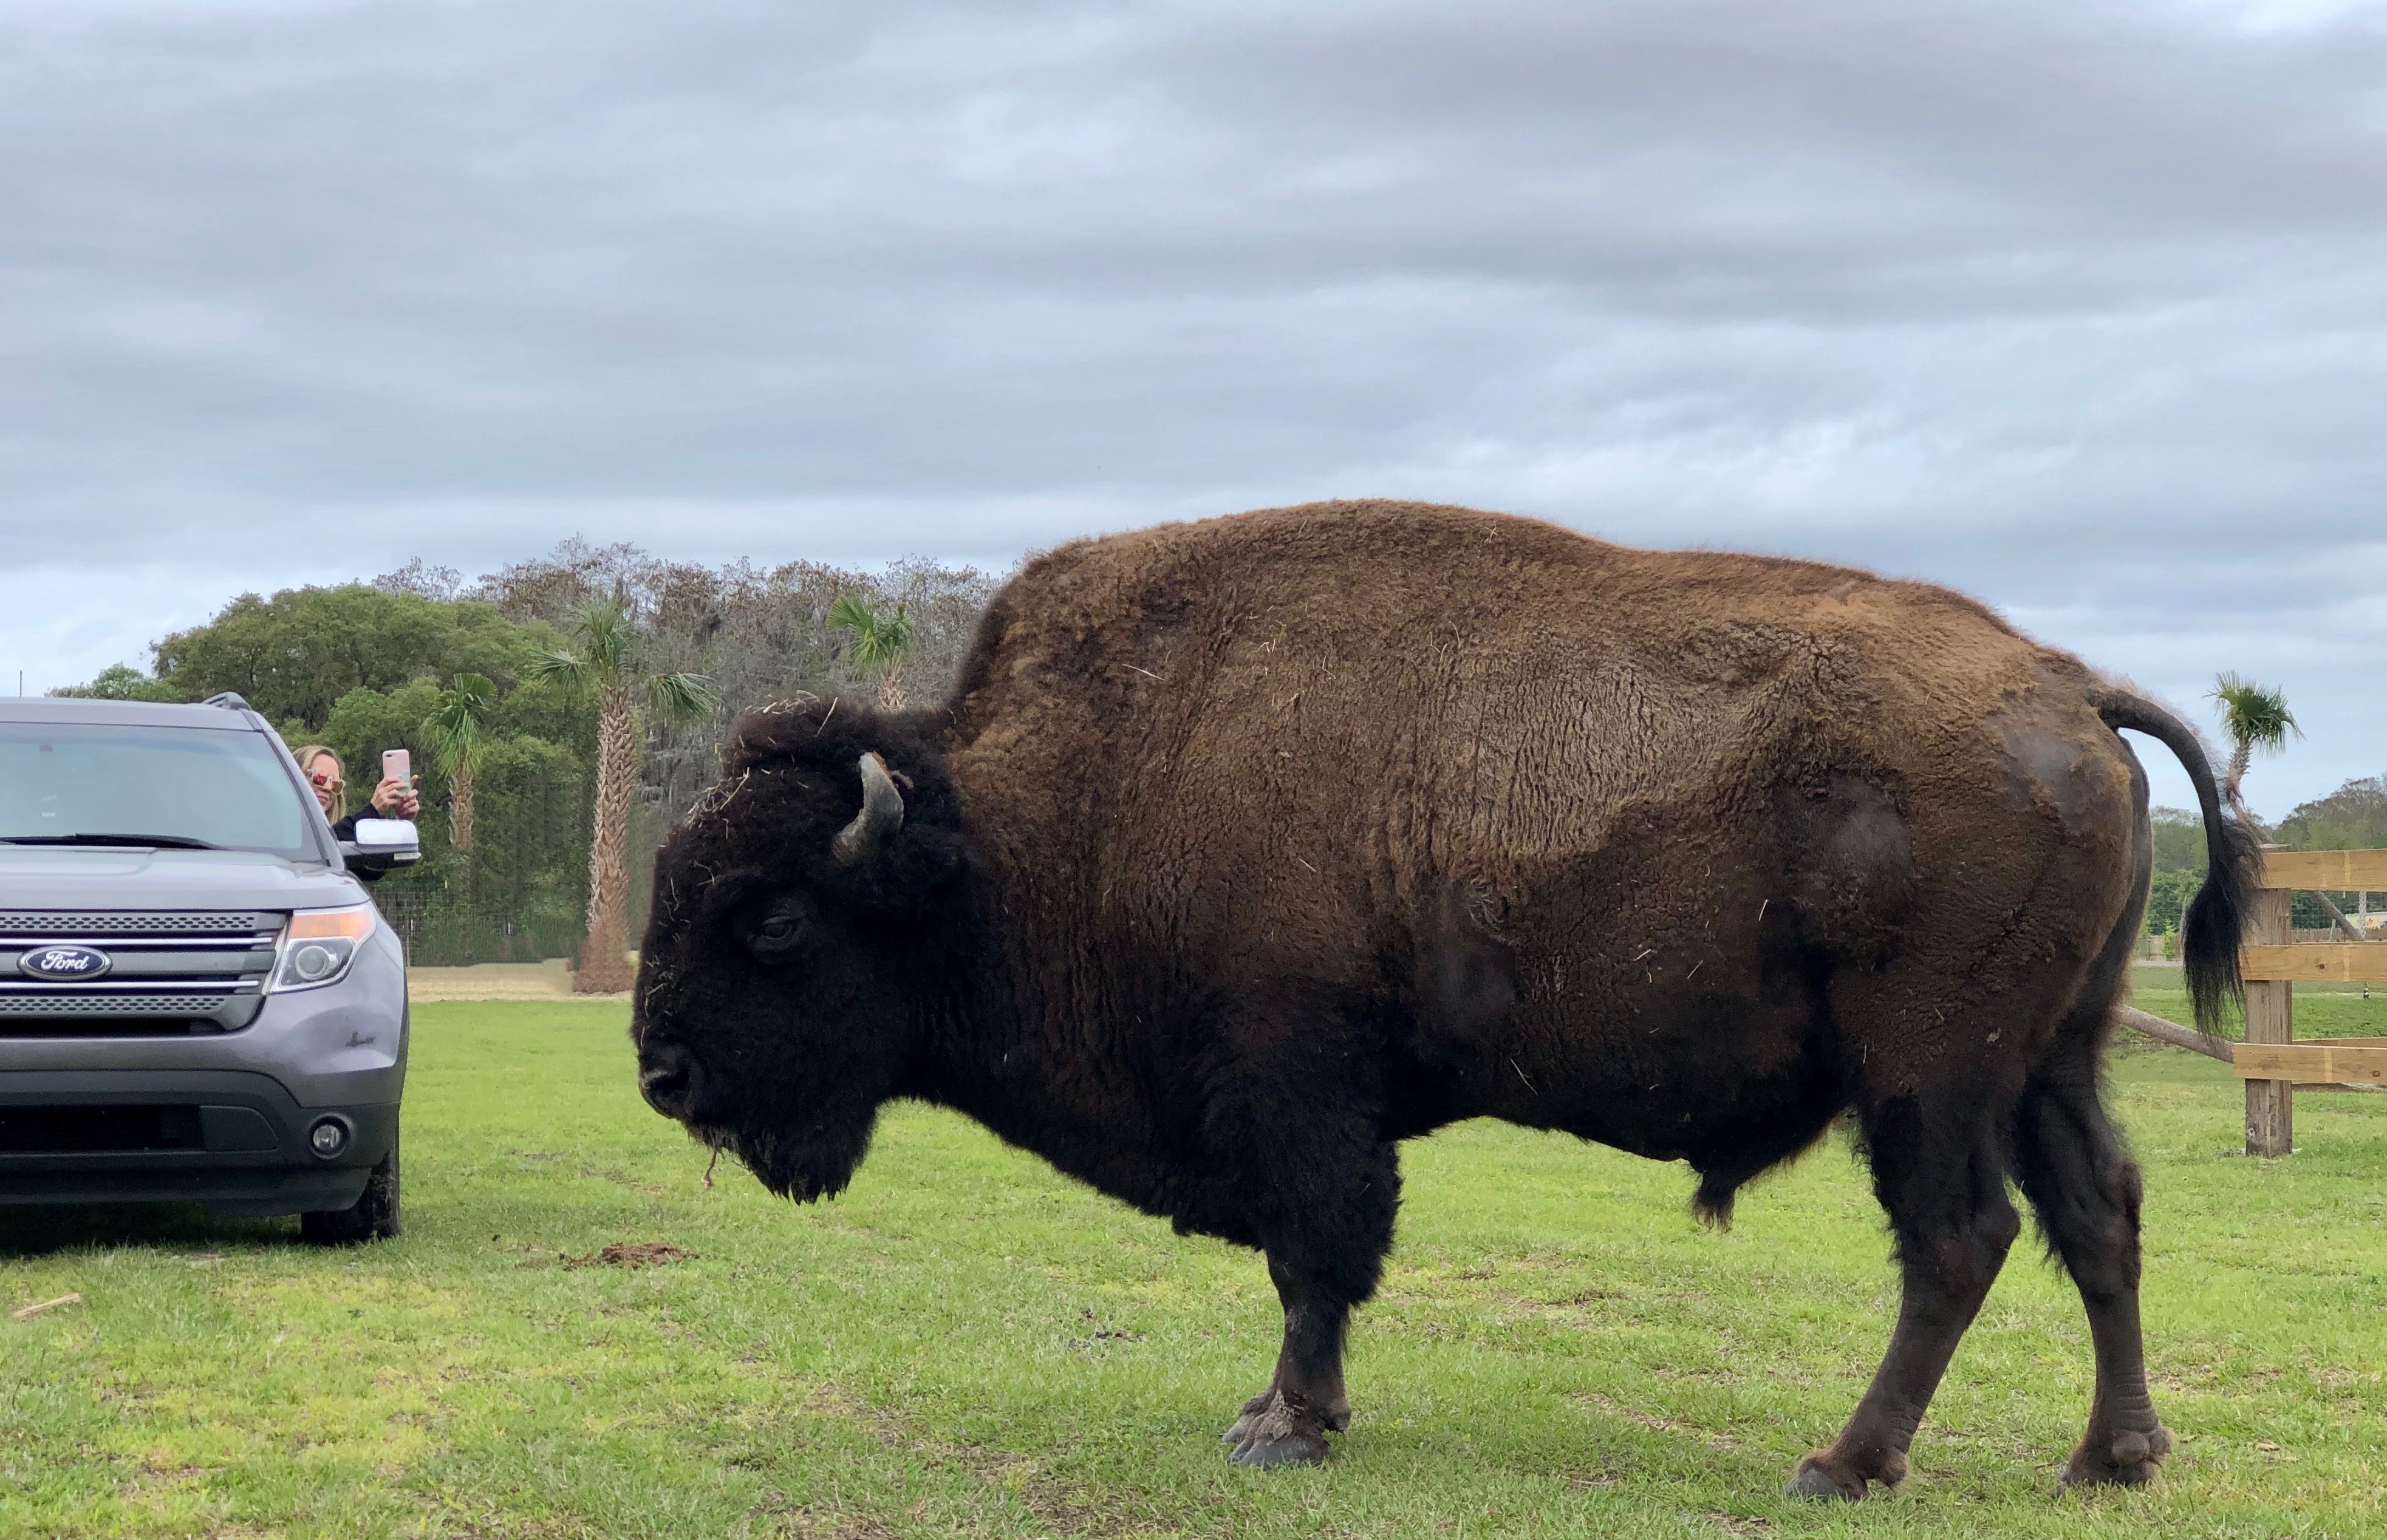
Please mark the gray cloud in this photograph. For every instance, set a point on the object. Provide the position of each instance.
(2081, 307)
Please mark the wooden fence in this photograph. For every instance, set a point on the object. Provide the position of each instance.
(2272, 1062)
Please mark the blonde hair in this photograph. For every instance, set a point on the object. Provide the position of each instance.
(307, 758)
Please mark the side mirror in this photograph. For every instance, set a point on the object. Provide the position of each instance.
(382, 844)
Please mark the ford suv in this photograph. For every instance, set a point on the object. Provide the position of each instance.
(198, 1002)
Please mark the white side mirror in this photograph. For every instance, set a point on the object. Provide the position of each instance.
(381, 843)
(384, 834)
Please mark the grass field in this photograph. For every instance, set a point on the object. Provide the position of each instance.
(965, 1343)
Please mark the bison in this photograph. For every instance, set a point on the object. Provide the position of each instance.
(1246, 849)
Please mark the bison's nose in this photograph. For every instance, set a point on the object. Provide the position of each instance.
(667, 1078)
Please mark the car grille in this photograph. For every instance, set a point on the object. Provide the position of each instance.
(172, 972)
(97, 1003)
(51, 926)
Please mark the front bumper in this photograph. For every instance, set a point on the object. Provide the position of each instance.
(233, 1140)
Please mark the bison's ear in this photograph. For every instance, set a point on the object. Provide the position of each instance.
(880, 862)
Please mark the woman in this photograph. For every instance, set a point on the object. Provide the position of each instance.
(392, 799)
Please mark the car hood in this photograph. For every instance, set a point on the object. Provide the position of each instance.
(34, 877)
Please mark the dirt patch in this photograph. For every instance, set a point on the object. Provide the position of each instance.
(646, 1254)
(1101, 1337)
(548, 980)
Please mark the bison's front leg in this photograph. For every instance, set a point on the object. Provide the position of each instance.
(1287, 1423)
(1325, 1219)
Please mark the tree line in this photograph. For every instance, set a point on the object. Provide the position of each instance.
(507, 691)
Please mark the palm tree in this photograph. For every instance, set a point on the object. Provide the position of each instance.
(457, 731)
(2255, 718)
(602, 665)
(880, 641)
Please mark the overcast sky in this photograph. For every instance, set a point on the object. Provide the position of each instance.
(2079, 306)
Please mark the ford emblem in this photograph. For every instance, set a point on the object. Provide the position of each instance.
(61, 964)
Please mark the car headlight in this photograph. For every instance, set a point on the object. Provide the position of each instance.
(318, 945)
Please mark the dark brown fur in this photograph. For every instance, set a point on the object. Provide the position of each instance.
(1247, 848)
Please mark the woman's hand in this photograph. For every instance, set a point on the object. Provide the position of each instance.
(393, 798)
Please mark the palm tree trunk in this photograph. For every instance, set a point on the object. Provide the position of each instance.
(459, 807)
(891, 689)
(2240, 758)
(604, 960)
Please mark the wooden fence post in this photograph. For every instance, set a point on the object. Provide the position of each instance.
(2270, 1017)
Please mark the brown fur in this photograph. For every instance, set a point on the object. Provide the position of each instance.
(1248, 848)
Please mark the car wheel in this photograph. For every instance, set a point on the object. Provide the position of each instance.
(374, 1216)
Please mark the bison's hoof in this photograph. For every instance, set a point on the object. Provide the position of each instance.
(2125, 1460)
(1281, 1433)
(1294, 1448)
(1815, 1478)
(1242, 1427)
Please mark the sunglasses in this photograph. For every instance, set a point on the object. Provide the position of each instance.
(325, 779)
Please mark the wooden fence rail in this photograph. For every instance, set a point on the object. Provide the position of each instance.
(2326, 871)
(2270, 1061)
(2274, 1065)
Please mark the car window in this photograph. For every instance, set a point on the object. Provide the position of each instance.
(226, 788)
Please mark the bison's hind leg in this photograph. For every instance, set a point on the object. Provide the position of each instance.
(1939, 1170)
(2086, 1189)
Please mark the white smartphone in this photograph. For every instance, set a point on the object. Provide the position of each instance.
(396, 765)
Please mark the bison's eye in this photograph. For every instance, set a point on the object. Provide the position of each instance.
(775, 931)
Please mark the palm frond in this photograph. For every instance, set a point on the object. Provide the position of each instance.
(2254, 716)
(680, 696)
(880, 641)
(571, 674)
(603, 628)
(456, 728)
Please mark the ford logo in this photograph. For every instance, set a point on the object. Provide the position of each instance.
(62, 963)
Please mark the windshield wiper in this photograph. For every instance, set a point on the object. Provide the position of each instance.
(162, 841)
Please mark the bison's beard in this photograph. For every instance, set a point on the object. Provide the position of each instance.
(814, 1161)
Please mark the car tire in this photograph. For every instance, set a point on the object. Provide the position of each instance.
(374, 1216)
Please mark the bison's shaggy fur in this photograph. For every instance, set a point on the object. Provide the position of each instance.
(1248, 849)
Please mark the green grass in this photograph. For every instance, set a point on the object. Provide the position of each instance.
(965, 1343)
(2321, 1011)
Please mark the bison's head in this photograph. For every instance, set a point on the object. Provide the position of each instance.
(799, 938)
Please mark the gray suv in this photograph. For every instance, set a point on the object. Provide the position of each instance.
(198, 1002)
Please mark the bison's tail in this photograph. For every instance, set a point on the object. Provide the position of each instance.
(2216, 916)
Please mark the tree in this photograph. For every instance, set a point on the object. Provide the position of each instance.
(882, 641)
(121, 682)
(294, 655)
(2254, 718)
(2179, 838)
(457, 731)
(2353, 817)
(602, 666)
(421, 578)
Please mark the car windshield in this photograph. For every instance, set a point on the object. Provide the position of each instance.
(65, 783)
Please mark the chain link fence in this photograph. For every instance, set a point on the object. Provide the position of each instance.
(440, 931)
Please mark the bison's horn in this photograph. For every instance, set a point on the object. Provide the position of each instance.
(881, 814)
